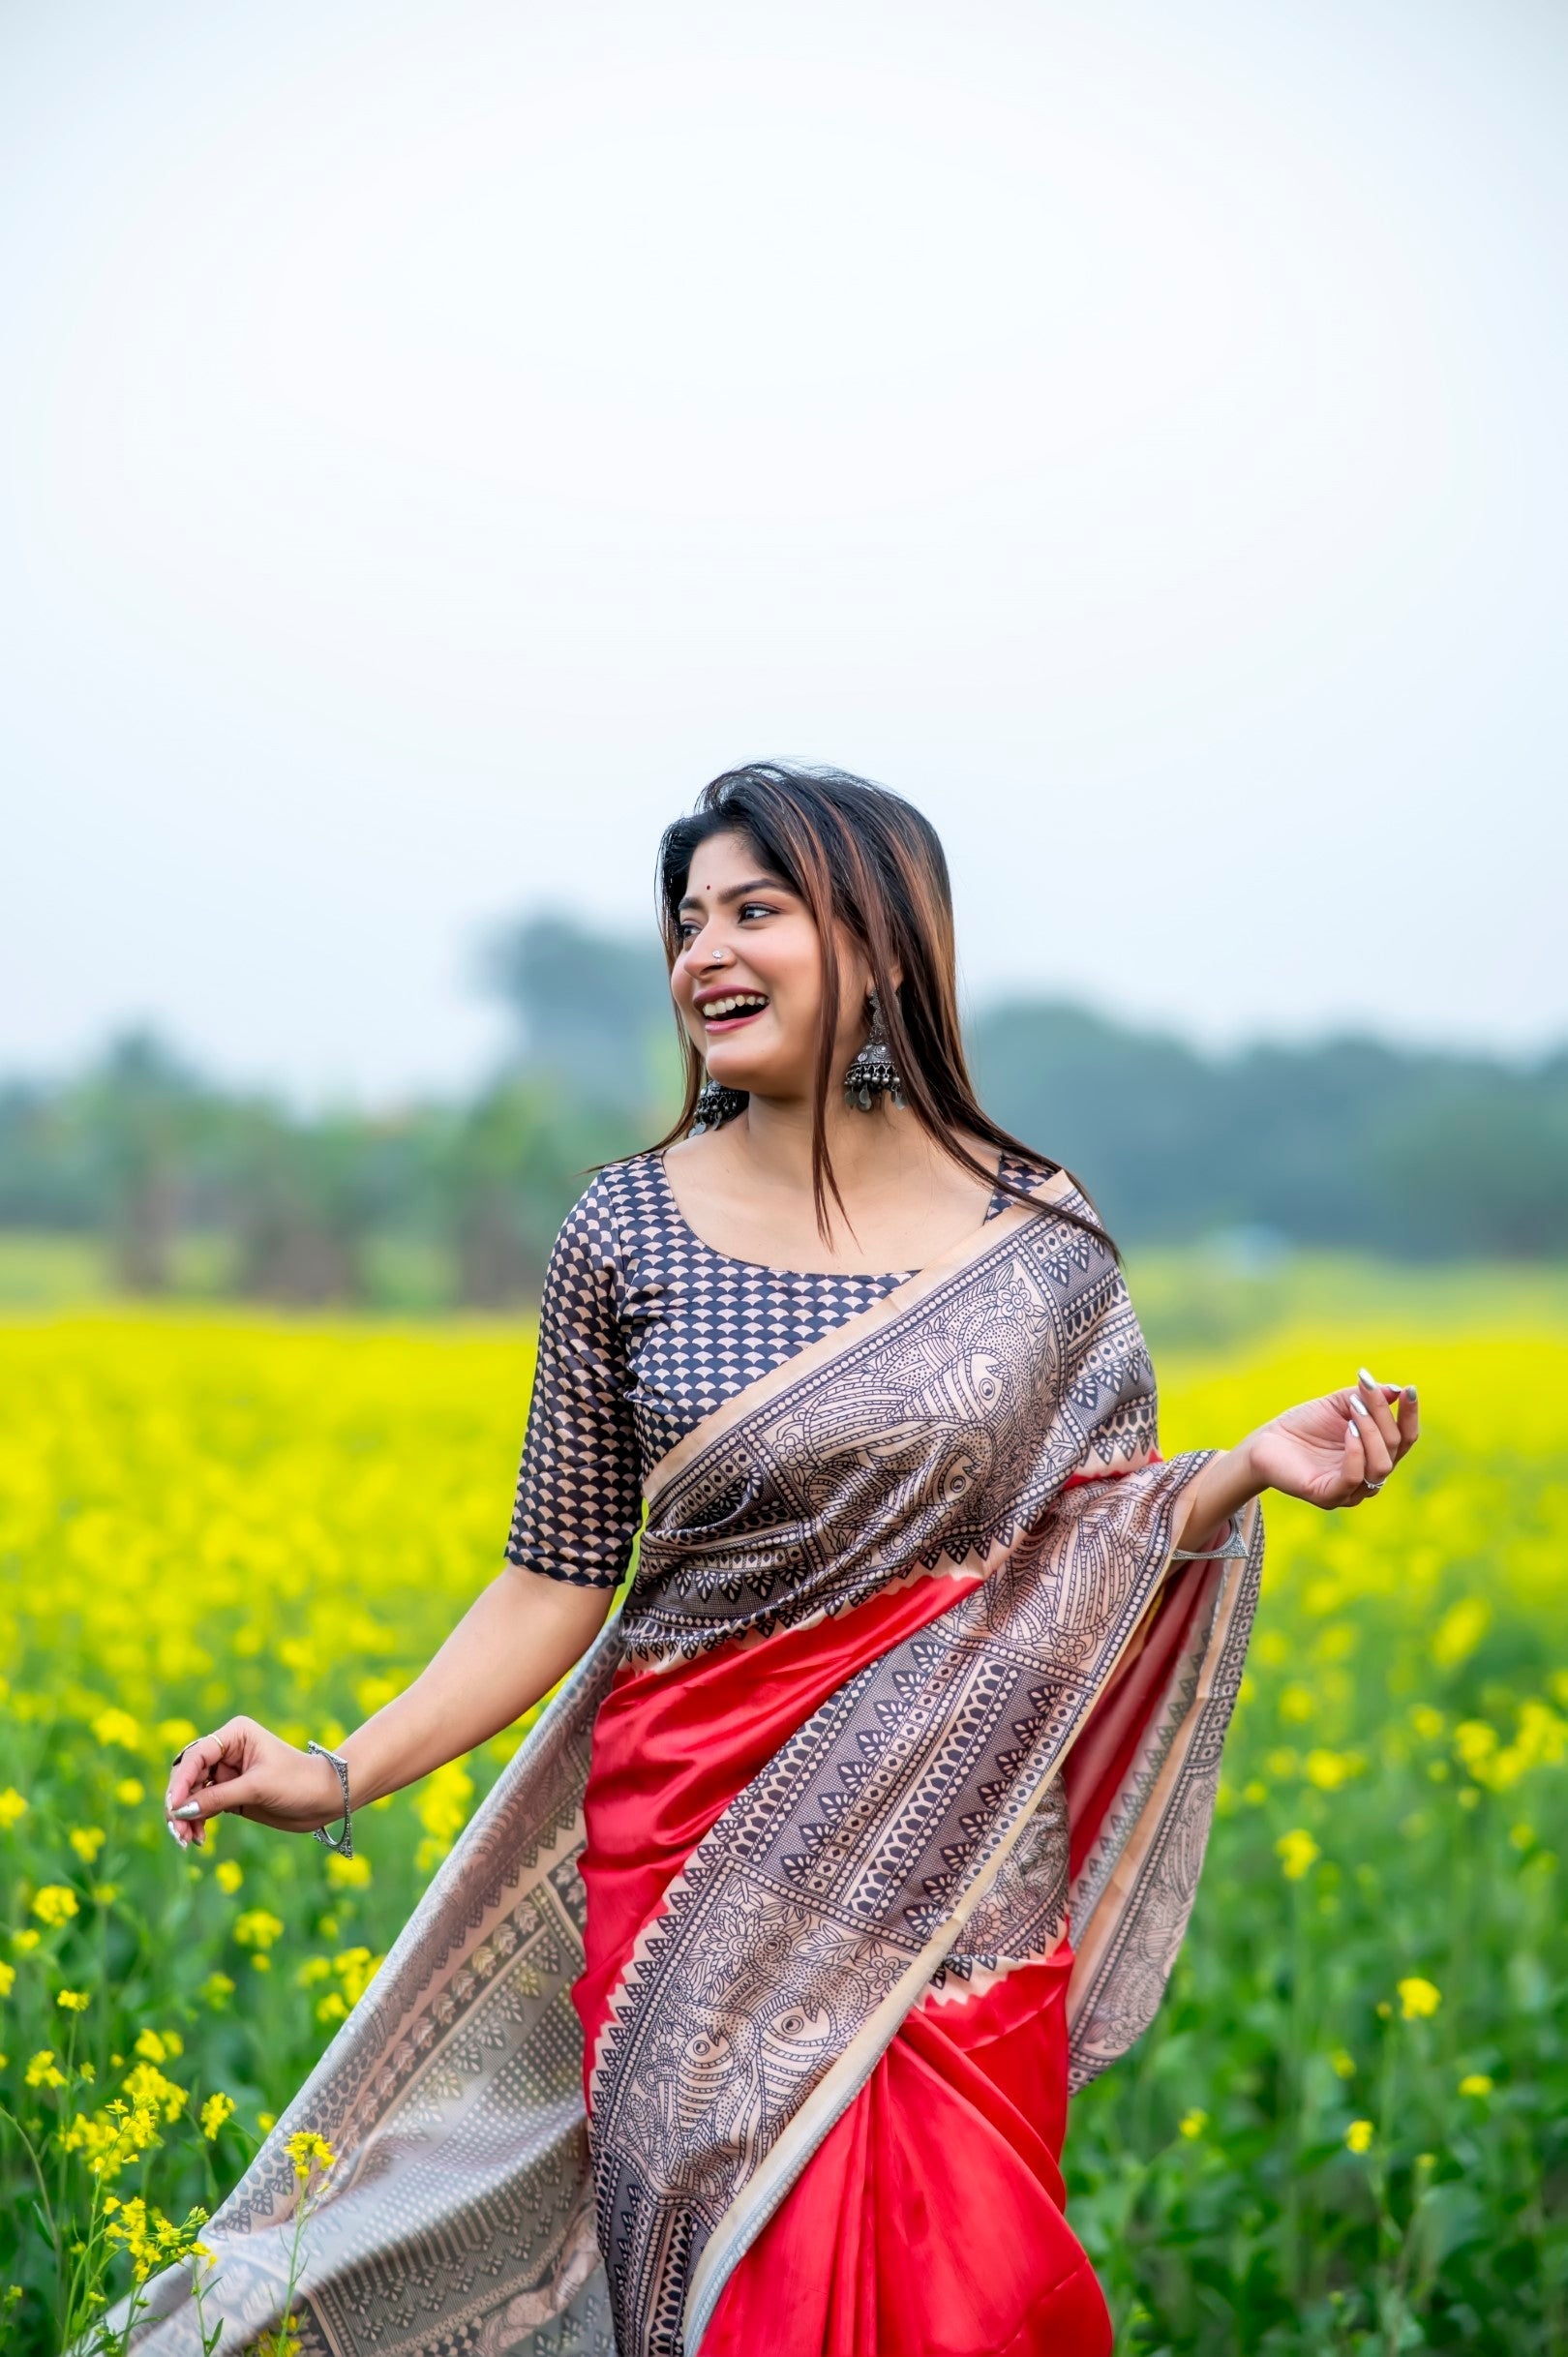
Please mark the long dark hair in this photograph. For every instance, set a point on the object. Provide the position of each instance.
(856, 853)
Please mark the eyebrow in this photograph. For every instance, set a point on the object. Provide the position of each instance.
(739, 891)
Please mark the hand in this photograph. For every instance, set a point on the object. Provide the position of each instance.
(248, 1770)
(1338, 1451)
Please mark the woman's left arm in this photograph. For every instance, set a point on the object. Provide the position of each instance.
(1332, 1452)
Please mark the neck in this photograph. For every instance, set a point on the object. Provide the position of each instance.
(870, 1152)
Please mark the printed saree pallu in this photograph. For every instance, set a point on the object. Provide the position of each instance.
(907, 1680)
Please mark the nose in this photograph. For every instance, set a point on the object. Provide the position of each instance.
(704, 955)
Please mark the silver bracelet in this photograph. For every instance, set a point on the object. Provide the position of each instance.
(344, 1842)
(1232, 1547)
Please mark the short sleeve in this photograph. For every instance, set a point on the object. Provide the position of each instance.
(579, 1490)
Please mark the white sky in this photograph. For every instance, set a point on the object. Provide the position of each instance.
(436, 438)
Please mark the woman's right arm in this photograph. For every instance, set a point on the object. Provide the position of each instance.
(578, 1504)
(518, 1639)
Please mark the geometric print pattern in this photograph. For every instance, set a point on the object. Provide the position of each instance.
(644, 1330)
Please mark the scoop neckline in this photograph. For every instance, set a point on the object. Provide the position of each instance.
(768, 1268)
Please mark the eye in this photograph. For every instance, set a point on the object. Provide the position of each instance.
(757, 908)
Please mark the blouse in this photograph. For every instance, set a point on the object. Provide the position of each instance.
(644, 1330)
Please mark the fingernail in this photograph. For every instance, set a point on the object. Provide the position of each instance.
(173, 1833)
(1370, 1380)
(192, 1808)
(1410, 1393)
(1357, 1408)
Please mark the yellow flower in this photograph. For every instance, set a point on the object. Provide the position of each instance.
(146, 2084)
(229, 1876)
(1329, 1770)
(214, 2112)
(1296, 1703)
(1427, 1723)
(1345, 2064)
(150, 2240)
(1359, 2136)
(113, 2138)
(1476, 1744)
(1193, 2123)
(8, 1978)
(1418, 1999)
(130, 1791)
(1254, 1794)
(216, 1990)
(1297, 1852)
(357, 1968)
(1460, 1631)
(105, 1894)
(86, 1840)
(55, 1904)
(266, 2122)
(442, 1809)
(349, 1873)
(43, 2071)
(258, 1928)
(11, 1806)
(307, 2151)
(75, 2000)
(26, 1940)
(261, 1963)
(113, 1726)
(158, 2045)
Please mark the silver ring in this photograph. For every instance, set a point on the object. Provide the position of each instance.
(1373, 1487)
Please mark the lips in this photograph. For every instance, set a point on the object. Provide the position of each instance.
(726, 1009)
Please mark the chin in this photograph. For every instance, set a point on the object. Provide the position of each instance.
(747, 1076)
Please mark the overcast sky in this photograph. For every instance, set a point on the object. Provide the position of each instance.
(436, 438)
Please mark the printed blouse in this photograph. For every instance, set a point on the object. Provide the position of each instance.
(644, 1330)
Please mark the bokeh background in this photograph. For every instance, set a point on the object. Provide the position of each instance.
(432, 443)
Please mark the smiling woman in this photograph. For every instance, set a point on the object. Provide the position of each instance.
(744, 2015)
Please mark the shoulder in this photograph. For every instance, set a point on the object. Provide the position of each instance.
(604, 1224)
(1053, 1189)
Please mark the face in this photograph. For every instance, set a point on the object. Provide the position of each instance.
(747, 979)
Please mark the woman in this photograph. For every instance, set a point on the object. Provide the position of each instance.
(871, 1824)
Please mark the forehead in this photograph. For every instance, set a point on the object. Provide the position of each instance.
(722, 863)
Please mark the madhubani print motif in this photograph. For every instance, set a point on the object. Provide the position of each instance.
(459, 2216)
(934, 1437)
(850, 1867)
(1155, 1836)
(1024, 1910)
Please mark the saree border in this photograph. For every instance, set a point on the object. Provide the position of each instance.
(1101, 1954)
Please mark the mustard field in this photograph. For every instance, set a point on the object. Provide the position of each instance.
(1348, 2131)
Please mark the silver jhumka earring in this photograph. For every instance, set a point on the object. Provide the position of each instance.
(873, 1072)
(715, 1105)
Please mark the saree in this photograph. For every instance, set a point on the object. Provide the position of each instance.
(911, 1679)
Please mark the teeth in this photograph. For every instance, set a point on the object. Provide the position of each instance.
(718, 1007)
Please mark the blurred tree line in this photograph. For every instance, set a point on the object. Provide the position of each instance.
(1349, 1143)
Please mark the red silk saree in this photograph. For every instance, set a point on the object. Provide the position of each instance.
(744, 2014)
